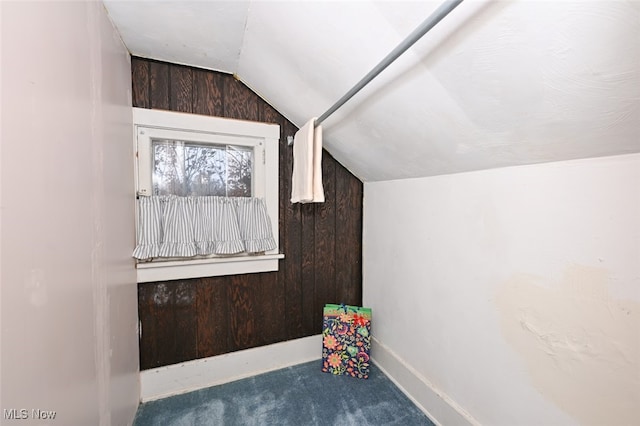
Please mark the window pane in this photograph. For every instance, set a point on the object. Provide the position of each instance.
(239, 167)
(186, 168)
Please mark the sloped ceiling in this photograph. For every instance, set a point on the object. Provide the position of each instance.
(496, 83)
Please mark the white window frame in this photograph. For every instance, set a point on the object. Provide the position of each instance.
(146, 134)
(262, 137)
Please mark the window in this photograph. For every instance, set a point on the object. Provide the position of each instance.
(185, 155)
(190, 168)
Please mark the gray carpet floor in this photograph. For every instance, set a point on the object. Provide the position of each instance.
(298, 395)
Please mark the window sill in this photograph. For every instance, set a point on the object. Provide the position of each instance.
(184, 269)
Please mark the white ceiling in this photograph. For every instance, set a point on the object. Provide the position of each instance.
(496, 83)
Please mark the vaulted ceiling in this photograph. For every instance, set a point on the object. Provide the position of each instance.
(496, 83)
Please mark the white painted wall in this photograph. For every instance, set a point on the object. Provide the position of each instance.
(69, 305)
(516, 291)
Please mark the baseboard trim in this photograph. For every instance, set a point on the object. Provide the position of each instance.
(440, 408)
(193, 375)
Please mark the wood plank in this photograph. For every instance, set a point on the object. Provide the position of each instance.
(213, 316)
(268, 114)
(343, 265)
(207, 93)
(146, 314)
(241, 308)
(140, 83)
(183, 329)
(239, 102)
(325, 224)
(348, 237)
(309, 320)
(168, 323)
(181, 88)
(292, 246)
(159, 82)
(355, 229)
(161, 319)
(270, 300)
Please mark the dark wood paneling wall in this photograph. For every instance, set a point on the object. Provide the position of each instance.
(189, 319)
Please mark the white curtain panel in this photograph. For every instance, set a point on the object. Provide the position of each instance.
(172, 226)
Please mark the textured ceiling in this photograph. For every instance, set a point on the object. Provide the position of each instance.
(494, 84)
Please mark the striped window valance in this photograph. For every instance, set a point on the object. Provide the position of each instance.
(172, 226)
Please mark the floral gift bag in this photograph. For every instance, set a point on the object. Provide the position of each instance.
(346, 340)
